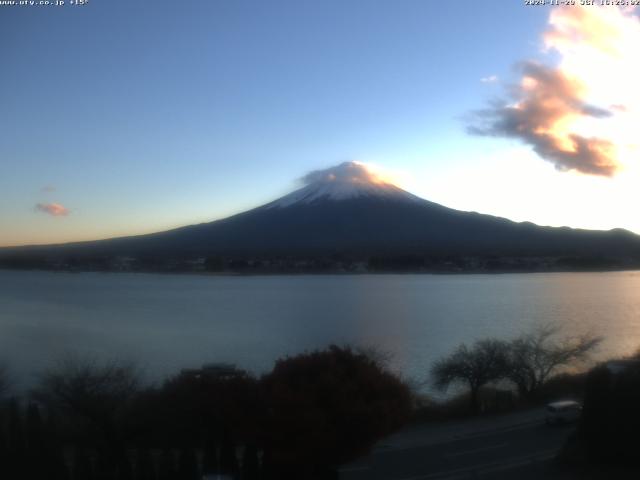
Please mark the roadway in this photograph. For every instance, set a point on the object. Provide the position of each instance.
(511, 446)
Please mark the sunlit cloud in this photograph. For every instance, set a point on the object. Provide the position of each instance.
(578, 114)
(54, 209)
(348, 172)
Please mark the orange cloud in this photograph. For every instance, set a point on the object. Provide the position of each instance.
(54, 209)
(558, 110)
(545, 105)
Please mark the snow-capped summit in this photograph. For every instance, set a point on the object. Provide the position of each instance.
(345, 181)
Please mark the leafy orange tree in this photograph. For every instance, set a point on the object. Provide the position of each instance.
(327, 407)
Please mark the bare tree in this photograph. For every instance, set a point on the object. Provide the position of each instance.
(94, 395)
(88, 388)
(534, 357)
(485, 361)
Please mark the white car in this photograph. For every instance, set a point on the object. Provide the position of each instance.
(566, 411)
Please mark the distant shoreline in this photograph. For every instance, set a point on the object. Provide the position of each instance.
(323, 273)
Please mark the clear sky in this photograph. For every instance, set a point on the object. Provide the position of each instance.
(120, 116)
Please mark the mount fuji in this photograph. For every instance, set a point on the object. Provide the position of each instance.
(349, 210)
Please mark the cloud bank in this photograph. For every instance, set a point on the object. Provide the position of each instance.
(53, 209)
(578, 113)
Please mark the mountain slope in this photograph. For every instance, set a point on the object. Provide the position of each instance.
(347, 209)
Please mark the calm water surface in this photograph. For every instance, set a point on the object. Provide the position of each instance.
(166, 322)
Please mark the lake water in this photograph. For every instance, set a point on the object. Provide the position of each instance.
(167, 322)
